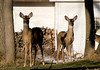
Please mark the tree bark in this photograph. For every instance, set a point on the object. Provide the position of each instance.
(90, 27)
(9, 31)
(2, 28)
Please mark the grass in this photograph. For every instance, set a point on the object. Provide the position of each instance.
(75, 64)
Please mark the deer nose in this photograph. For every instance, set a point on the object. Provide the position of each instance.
(72, 24)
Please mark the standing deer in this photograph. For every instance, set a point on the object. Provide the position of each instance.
(31, 37)
(66, 39)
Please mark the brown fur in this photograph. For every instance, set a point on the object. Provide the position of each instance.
(97, 38)
(66, 38)
(30, 37)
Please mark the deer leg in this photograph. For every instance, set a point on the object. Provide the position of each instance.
(70, 52)
(34, 55)
(42, 53)
(58, 53)
(25, 55)
(30, 54)
(67, 53)
(63, 55)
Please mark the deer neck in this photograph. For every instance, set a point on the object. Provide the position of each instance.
(26, 28)
(70, 31)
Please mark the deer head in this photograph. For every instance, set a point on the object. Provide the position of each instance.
(71, 21)
(26, 17)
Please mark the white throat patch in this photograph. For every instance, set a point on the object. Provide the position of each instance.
(25, 24)
(70, 26)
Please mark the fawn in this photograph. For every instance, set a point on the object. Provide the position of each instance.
(66, 39)
(31, 37)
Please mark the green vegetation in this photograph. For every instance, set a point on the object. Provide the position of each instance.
(75, 64)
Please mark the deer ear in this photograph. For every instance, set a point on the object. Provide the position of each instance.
(30, 15)
(75, 18)
(67, 18)
(21, 15)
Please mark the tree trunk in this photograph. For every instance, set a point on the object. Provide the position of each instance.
(2, 28)
(9, 31)
(90, 27)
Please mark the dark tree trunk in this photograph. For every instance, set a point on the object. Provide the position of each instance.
(9, 31)
(2, 28)
(90, 26)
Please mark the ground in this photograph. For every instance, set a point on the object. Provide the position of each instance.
(48, 44)
(83, 65)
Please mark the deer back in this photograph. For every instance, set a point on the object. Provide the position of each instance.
(37, 35)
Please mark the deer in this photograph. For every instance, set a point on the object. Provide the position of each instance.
(97, 38)
(65, 38)
(31, 38)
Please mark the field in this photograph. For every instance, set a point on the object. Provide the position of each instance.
(82, 64)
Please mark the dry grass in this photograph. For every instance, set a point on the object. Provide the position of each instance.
(93, 56)
(2, 61)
